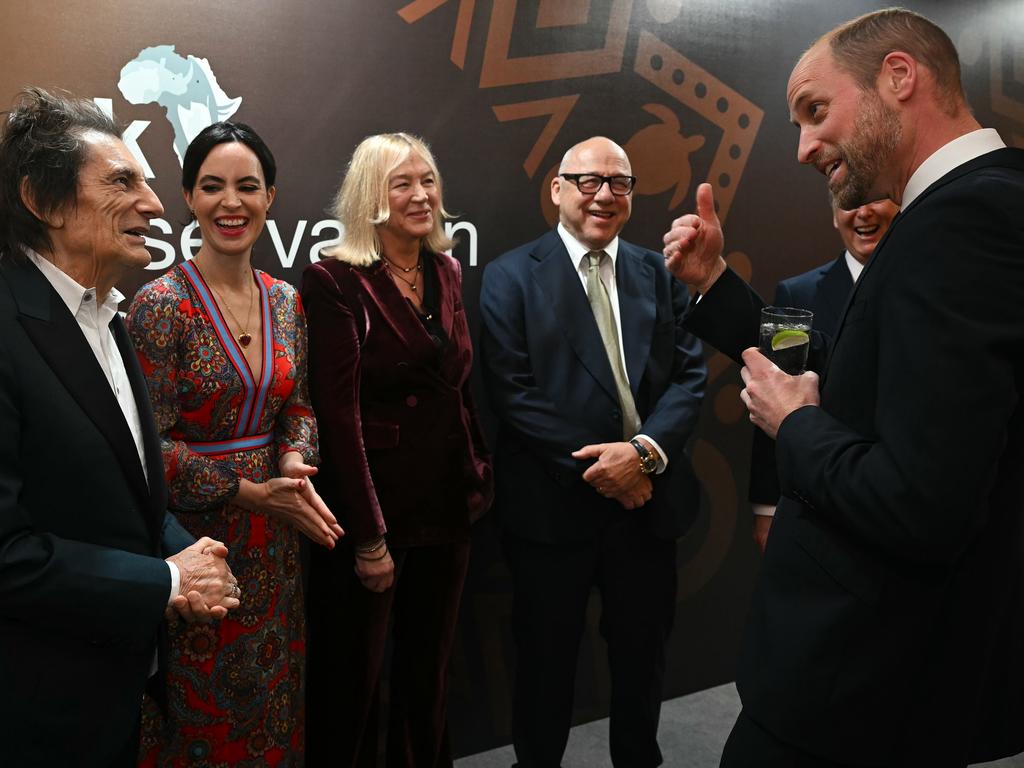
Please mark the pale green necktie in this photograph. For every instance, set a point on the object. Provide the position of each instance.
(601, 306)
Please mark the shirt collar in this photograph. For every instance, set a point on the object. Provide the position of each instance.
(70, 291)
(578, 251)
(854, 266)
(957, 152)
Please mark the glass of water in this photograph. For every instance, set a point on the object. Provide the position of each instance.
(786, 337)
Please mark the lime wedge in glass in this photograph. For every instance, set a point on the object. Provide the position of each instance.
(789, 338)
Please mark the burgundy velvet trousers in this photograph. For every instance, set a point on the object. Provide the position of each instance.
(348, 629)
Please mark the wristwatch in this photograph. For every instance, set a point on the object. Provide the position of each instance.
(648, 461)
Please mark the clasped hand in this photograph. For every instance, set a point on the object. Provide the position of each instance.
(616, 473)
(292, 498)
(207, 589)
(770, 394)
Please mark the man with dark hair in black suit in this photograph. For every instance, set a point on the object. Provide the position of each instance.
(84, 529)
(888, 619)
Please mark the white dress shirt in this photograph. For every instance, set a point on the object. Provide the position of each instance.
(94, 319)
(578, 256)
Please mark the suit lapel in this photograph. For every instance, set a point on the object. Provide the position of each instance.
(635, 285)
(447, 291)
(55, 333)
(394, 308)
(150, 437)
(555, 278)
(833, 293)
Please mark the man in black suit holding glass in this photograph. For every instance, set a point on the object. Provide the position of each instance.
(887, 622)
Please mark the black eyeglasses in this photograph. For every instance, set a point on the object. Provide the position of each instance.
(591, 183)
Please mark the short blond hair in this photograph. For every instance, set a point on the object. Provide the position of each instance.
(361, 204)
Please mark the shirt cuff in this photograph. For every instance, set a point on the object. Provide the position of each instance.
(658, 453)
(175, 581)
(764, 510)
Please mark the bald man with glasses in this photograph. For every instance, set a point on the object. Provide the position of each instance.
(597, 388)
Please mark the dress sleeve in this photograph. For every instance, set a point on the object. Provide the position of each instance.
(296, 427)
(158, 329)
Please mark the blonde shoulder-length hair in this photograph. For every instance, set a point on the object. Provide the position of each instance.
(361, 204)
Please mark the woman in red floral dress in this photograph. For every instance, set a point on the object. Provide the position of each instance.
(223, 348)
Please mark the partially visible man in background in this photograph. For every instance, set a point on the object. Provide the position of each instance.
(83, 522)
(823, 290)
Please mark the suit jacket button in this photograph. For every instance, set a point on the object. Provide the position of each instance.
(411, 401)
(616, 415)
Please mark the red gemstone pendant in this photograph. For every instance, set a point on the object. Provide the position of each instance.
(244, 339)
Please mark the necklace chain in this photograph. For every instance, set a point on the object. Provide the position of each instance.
(244, 338)
(418, 267)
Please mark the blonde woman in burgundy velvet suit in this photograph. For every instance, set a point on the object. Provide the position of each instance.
(404, 463)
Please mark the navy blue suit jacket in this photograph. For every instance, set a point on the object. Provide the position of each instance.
(824, 290)
(550, 383)
(83, 585)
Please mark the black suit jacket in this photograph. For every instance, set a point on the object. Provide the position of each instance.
(550, 384)
(83, 586)
(824, 290)
(886, 624)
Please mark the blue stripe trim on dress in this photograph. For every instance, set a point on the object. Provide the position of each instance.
(251, 443)
(268, 357)
(227, 341)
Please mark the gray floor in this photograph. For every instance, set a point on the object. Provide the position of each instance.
(693, 731)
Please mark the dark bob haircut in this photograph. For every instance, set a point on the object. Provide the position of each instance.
(42, 142)
(221, 133)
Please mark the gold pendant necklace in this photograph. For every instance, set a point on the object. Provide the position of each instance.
(244, 338)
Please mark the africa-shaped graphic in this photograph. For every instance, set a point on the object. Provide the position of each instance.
(185, 87)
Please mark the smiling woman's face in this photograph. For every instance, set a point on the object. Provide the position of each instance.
(230, 199)
(413, 197)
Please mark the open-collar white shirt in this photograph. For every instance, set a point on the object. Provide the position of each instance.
(94, 318)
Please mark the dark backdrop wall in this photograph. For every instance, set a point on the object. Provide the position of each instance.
(694, 90)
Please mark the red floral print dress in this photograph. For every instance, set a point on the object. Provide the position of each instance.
(234, 687)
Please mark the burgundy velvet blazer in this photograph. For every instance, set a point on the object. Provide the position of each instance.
(401, 447)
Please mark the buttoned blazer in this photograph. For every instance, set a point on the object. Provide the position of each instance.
(887, 619)
(401, 447)
(83, 586)
(824, 290)
(550, 384)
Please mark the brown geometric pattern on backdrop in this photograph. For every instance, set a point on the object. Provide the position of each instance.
(501, 69)
(661, 150)
(558, 108)
(415, 11)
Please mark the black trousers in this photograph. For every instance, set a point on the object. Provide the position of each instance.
(635, 575)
